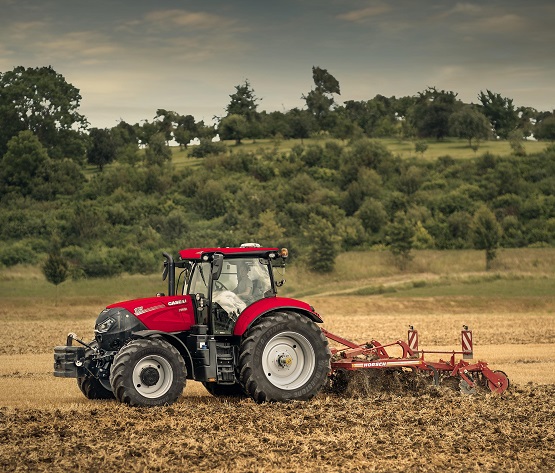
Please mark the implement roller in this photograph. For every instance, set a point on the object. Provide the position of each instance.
(374, 356)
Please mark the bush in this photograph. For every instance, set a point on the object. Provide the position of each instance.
(208, 148)
(20, 252)
(101, 263)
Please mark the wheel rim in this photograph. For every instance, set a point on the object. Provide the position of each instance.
(288, 360)
(153, 376)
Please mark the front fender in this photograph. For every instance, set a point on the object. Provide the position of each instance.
(175, 341)
(263, 306)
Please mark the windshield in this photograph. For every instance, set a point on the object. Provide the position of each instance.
(247, 278)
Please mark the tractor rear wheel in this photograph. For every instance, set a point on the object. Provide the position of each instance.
(148, 372)
(284, 356)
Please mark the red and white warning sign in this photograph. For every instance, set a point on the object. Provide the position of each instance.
(466, 341)
(413, 339)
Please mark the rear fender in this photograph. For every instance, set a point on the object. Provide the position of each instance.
(271, 304)
(176, 342)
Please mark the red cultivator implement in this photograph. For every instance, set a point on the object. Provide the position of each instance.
(374, 356)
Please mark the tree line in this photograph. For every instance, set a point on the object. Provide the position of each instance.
(350, 193)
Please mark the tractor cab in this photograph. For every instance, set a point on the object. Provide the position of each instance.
(225, 281)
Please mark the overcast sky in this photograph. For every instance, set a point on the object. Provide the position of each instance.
(130, 57)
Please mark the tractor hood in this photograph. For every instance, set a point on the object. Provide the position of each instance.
(165, 313)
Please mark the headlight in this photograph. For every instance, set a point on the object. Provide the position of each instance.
(105, 326)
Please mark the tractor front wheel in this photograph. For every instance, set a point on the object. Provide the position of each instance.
(284, 356)
(90, 386)
(148, 372)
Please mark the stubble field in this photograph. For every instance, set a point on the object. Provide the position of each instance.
(47, 425)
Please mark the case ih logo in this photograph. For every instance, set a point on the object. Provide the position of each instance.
(180, 301)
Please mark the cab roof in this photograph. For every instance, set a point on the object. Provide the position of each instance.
(198, 253)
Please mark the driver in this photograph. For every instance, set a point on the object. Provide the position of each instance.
(244, 284)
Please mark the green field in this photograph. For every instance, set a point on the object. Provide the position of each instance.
(526, 272)
(453, 147)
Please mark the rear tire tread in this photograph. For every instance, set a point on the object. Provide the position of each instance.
(255, 382)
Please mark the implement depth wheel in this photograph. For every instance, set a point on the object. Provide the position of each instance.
(148, 372)
(284, 356)
(502, 385)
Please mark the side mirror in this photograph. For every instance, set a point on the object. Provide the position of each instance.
(217, 266)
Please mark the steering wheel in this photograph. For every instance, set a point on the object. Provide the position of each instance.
(219, 286)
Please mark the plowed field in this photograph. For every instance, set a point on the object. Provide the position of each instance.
(47, 425)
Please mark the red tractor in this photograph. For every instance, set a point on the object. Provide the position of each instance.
(221, 323)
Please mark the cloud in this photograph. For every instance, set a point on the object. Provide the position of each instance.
(358, 16)
(182, 35)
(509, 23)
(183, 18)
(84, 45)
(24, 29)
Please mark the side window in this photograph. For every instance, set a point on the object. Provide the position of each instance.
(199, 279)
(260, 276)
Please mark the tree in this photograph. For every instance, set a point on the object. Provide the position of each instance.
(430, 114)
(23, 165)
(324, 244)
(102, 149)
(185, 131)
(39, 100)
(470, 124)
(345, 129)
(486, 233)
(516, 143)
(320, 100)
(545, 129)
(166, 119)
(124, 137)
(400, 239)
(233, 127)
(500, 112)
(302, 123)
(146, 131)
(421, 147)
(377, 117)
(243, 102)
(157, 152)
(55, 269)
